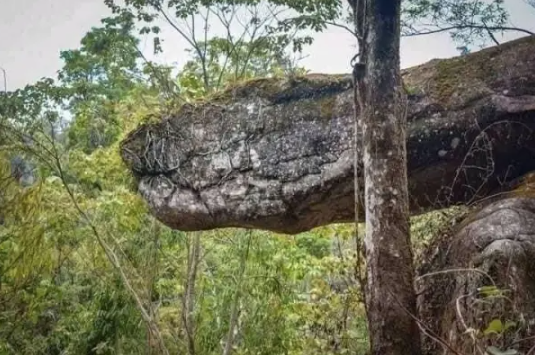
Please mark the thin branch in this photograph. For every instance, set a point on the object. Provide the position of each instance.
(5, 79)
(449, 271)
(226, 23)
(426, 330)
(491, 35)
(206, 27)
(461, 27)
(235, 304)
(191, 40)
(110, 254)
(188, 300)
(339, 25)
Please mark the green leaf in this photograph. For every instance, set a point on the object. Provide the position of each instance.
(494, 327)
(489, 291)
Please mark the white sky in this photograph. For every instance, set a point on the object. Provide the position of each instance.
(32, 33)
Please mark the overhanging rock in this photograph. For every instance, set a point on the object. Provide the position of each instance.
(277, 154)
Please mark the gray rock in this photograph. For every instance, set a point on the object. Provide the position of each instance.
(277, 154)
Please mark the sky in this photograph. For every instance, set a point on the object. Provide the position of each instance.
(33, 32)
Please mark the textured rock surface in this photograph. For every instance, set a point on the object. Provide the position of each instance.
(278, 154)
(495, 246)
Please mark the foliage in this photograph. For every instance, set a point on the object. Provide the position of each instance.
(105, 66)
(72, 228)
(255, 40)
(59, 293)
(468, 21)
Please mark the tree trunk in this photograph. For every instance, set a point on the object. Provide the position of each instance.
(188, 301)
(390, 296)
(235, 307)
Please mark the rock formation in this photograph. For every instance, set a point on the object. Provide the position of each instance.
(479, 273)
(277, 154)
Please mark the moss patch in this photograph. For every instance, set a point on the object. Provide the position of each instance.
(283, 90)
(462, 79)
(459, 74)
(327, 106)
(525, 187)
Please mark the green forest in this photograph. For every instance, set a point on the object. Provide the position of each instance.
(84, 266)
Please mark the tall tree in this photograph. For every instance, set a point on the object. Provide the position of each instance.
(105, 66)
(231, 40)
(105, 69)
(379, 95)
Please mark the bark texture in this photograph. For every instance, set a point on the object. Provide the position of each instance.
(277, 154)
(390, 297)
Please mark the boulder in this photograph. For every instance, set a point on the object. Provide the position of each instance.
(476, 282)
(277, 154)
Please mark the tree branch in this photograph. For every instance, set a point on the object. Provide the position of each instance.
(460, 27)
